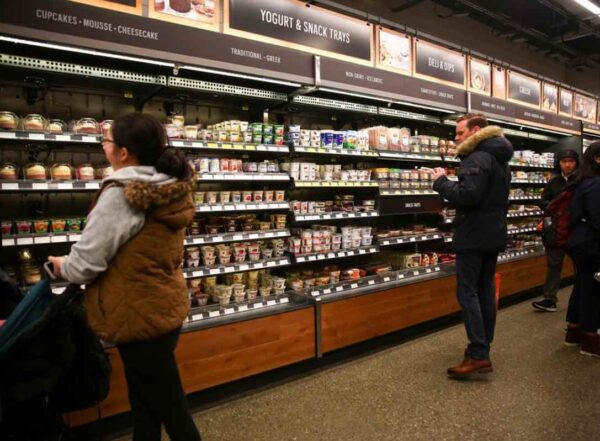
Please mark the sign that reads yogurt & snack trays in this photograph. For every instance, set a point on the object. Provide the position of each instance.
(524, 90)
(439, 64)
(303, 25)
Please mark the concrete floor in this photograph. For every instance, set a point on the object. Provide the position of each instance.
(541, 390)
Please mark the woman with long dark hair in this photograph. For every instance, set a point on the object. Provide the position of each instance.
(584, 248)
(129, 257)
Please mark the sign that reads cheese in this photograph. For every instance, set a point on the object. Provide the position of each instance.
(310, 27)
(524, 90)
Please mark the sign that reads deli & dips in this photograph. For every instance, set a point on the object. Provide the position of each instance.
(292, 21)
(524, 89)
(436, 63)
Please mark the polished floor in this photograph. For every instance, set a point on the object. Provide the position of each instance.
(540, 390)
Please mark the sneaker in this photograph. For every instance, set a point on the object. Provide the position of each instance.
(545, 305)
(573, 336)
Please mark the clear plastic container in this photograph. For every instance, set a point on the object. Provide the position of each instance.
(56, 126)
(35, 170)
(61, 172)
(8, 121)
(34, 123)
(9, 171)
(87, 125)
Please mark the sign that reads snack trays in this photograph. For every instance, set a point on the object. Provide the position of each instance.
(302, 25)
(524, 90)
(439, 64)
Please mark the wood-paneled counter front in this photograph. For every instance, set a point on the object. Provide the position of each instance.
(218, 355)
(361, 318)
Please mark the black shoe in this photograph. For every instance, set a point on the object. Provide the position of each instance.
(545, 305)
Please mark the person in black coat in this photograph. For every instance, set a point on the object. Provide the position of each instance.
(584, 248)
(480, 230)
(566, 176)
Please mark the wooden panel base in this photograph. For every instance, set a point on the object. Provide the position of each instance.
(214, 356)
(361, 318)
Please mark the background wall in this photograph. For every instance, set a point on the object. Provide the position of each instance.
(471, 34)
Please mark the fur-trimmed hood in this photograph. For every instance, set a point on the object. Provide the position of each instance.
(489, 139)
(143, 195)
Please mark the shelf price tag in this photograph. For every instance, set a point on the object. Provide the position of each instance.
(212, 314)
(242, 308)
(197, 317)
(354, 286)
(339, 288)
(243, 267)
(215, 271)
(25, 241)
(8, 242)
(10, 186)
(271, 303)
(92, 185)
(40, 240)
(229, 311)
(39, 186)
(65, 186)
(259, 305)
(371, 282)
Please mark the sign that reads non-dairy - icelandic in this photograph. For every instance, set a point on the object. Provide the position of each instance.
(524, 89)
(101, 28)
(292, 21)
(439, 64)
(512, 112)
(393, 86)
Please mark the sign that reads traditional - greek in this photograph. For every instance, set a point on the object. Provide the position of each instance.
(292, 21)
(439, 64)
(524, 89)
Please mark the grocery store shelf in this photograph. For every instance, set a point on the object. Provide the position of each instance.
(532, 166)
(512, 255)
(410, 239)
(525, 198)
(327, 255)
(403, 114)
(328, 184)
(41, 185)
(335, 104)
(235, 237)
(81, 70)
(522, 230)
(529, 182)
(40, 239)
(243, 177)
(202, 145)
(402, 156)
(367, 285)
(228, 89)
(386, 192)
(16, 135)
(247, 206)
(334, 216)
(214, 314)
(193, 273)
(519, 214)
(336, 152)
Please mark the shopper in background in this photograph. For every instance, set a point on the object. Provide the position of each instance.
(566, 177)
(129, 257)
(584, 249)
(480, 233)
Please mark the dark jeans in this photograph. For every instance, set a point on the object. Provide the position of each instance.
(584, 304)
(155, 390)
(477, 298)
(554, 263)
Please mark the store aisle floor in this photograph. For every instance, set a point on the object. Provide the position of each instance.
(541, 390)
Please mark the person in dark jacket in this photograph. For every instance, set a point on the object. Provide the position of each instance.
(567, 162)
(584, 249)
(480, 230)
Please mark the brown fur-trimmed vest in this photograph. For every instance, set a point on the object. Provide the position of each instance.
(142, 294)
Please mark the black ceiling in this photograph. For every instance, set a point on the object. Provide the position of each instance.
(562, 29)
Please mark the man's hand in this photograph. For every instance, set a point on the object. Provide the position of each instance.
(438, 172)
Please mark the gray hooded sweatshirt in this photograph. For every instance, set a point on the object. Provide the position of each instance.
(110, 224)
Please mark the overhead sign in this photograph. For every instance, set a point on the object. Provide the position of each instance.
(480, 78)
(550, 98)
(307, 27)
(439, 64)
(100, 28)
(566, 102)
(511, 112)
(499, 82)
(377, 82)
(394, 51)
(523, 89)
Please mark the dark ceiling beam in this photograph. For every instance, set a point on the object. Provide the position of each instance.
(586, 28)
(508, 22)
(406, 5)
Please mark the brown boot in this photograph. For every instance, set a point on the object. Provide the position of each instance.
(590, 344)
(470, 366)
(573, 335)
